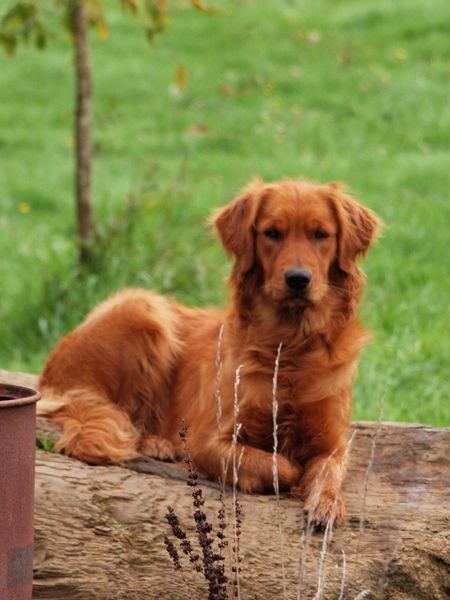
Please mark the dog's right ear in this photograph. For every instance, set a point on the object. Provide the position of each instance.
(235, 225)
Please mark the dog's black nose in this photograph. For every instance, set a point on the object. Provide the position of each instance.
(297, 279)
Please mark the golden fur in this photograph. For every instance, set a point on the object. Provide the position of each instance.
(122, 382)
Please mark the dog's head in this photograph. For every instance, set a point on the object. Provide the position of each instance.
(293, 239)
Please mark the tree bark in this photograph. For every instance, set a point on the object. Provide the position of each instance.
(99, 531)
(79, 25)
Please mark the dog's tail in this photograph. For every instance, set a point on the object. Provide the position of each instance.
(51, 402)
(94, 429)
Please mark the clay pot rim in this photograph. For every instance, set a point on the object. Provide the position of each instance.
(20, 395)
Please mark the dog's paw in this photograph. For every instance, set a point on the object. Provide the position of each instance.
(159, 447)
(251, 483)
(325, 509)
(288, 473)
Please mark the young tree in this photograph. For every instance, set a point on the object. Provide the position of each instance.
(28, 21)
(83, 146)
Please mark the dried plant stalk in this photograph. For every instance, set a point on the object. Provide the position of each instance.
(237, 511)
(306, 538)
(218, 398)
(323, 552)
(212, 566)
(276, 485)
(344, 573)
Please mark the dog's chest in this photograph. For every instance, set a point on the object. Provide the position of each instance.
(281, 394)
(257, 427)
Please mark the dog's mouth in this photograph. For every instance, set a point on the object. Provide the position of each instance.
(288, 298)
(296, 299)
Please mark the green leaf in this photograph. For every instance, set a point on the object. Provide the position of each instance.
(179, 79)
(157, 13)
(8, 41)
(41, 38)
(46, 443)
(131, 6)
(199, 5)
(23, 21)
(96, 12)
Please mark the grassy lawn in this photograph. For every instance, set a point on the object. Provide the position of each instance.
(347, 90)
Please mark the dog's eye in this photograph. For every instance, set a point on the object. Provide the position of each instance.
(320, 235)
(272, 234)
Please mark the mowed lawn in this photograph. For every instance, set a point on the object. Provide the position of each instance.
(350, 90)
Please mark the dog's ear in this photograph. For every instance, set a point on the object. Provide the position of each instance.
(358, 226)
(235, 225)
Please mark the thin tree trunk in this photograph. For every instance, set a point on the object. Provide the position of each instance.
(85, 227)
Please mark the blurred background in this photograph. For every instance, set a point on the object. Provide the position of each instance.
(349, 90)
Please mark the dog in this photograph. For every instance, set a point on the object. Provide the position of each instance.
(123, 381)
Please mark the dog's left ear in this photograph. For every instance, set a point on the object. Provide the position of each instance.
(235, 225)
(358, 226)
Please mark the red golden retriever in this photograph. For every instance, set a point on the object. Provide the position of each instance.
(122, 382)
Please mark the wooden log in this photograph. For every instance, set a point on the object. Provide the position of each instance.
(100, 531)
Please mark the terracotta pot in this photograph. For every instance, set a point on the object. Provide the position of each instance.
(17, 456)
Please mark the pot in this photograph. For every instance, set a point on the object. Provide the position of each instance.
(17, 458)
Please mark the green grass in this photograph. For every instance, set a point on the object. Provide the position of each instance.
(349, 90)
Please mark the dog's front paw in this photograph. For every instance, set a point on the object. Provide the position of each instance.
(286, 472)
(157, 446)
(251, 483)
(325, 508)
